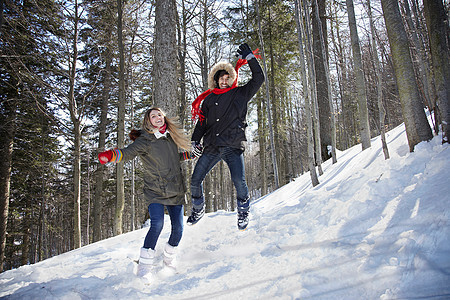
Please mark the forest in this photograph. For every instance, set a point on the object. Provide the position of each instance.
(77, 76)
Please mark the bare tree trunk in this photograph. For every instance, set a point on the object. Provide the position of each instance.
(340, 70)
(204, 51)
(7, 131)
(182, 52)
(319, 33)
(75, 118)
(329, 145)
(42, 222)
(25, 247)
(99, 173)
(120, 187)
(215, 194)
(421, 32)
(276, 104)
(204, 66)
(165, 60)
(437, 23)
(307, 93)
(293, 158)
(269, 115)
(262, 144)
(312, 82)
(88, 188)
(423, 71)
(77, 185)
(382, 112)
(364, 126)
(417, 126)
(222, 187)
(207, 188)
(133, 166)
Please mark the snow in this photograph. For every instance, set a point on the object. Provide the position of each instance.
(372, 229)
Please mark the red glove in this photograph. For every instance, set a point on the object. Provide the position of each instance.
(105, 157)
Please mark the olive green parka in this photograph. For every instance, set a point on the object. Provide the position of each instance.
(163, 178)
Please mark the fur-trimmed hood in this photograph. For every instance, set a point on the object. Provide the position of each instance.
(221, 66)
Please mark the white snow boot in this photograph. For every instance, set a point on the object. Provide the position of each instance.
(146, 264)
(170, 257)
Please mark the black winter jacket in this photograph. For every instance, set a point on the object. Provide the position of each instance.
(225, 114)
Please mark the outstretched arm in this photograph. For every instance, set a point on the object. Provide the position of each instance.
(110, 156)
(125, 154)
(250, 89)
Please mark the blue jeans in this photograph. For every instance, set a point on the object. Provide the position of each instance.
(156, 211)
(234, 158)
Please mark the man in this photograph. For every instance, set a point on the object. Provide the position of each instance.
(221, 124)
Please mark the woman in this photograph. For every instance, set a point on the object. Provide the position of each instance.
(157, 146)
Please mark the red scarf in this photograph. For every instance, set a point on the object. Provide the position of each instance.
(162, 129)
(196, 111)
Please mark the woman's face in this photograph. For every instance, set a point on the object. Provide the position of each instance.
(156, 118)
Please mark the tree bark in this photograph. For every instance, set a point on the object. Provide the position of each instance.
(75, 118)
(437, 24)
(262, 144)
(421, 32)
(382, 112)
(319, 28)
(77, 184)
(416, 123)
(120, 186)
(269, 115)
(165, 59)
(421, 61)
(312, 84)
(364, 127)
(182, 24)
(328, 146)
(7, 131)
(307, 94)
(341, 78)
(99, 173)
(275, 107)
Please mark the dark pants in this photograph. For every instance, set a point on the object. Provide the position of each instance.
(234, 158)
(156, 211)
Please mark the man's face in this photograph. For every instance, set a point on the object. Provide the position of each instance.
(223, 81)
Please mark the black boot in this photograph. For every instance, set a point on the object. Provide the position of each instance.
(242, 220)
(243, 208)
(195, 216)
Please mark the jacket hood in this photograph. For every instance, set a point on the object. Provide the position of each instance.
(135, 133)
(146, 134)
(221, 66)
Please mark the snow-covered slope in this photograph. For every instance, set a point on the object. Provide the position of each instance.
(372, 229)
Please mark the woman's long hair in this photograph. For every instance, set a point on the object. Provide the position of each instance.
(177, 134)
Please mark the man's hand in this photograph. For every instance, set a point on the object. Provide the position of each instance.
(197, 149)
(244, 52)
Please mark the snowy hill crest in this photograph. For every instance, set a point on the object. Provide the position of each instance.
(372, 229)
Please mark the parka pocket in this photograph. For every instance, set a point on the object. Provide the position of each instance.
(170, 183)
(235, 133)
